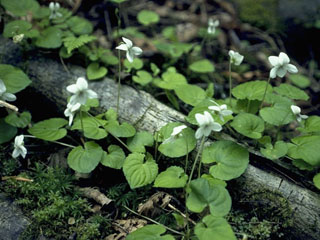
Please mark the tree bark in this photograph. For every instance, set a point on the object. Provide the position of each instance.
(146, 113)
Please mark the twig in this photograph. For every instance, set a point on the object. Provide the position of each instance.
(182, 214)
(8, 105)
(16, 178)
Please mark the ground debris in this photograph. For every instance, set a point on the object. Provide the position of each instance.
(124, 227)
(152, 205)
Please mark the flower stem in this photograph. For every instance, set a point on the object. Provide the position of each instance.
(196, 160)
(60, 143)
(265, 92)
(156, 145)
(248, 105)
(119, 66)
(187, 157)
(278, 129)
(230, 84)
(123, 144)
(119, 81)
(81, 121)
(119, 140)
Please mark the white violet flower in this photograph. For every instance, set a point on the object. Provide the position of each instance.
(212, 25)
(235, 57)
(128, 47)
(54, 8)
(4, 96)
(71, 110)
(206, 125)
(81, 92)
(222, 110)
(19, 148)
(296, 111)
(177, 131)
(281, 65)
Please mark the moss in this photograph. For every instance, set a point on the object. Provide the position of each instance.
(260, 13)
(50, 201)
(263, 215)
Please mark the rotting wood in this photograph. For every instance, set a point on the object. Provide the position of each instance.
(96, 195)
(50, 79)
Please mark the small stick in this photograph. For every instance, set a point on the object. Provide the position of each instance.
(8, 105)
(16, 178)
(182, 214)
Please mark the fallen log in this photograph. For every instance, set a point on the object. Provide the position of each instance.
(50, 78)
(12, 220)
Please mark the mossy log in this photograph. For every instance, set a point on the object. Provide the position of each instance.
(50, 79)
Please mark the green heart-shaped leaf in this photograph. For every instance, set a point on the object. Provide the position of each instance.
(93, 127)
(50, 38)
(312, 125)
(253, 90)
(316, 180)
(170, 80)
(143, 78)
(245, 105)
(248, 125)
(277, 151)
(273, 99)
(115, 158)
(279, 114)
(123, 130)
(139, 169)
(137, 64)
(139, 141)
(302, 165)
(50, 130)
(172, 177)
(202, 66)
(214, 181)
(230, 158)
(85, 160)
(18, 120)
(94, 71)
(16, 27)
(179, 146)
(147, 17)
(203, 195)
(214, 228)
(42, 12)
(111, 115)
(150, 232)
(7, 131)
(190, 94)
(305, 148)
(20, 8)
(291, 92)
(14, 79)
(300, 80)
(80, 25)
